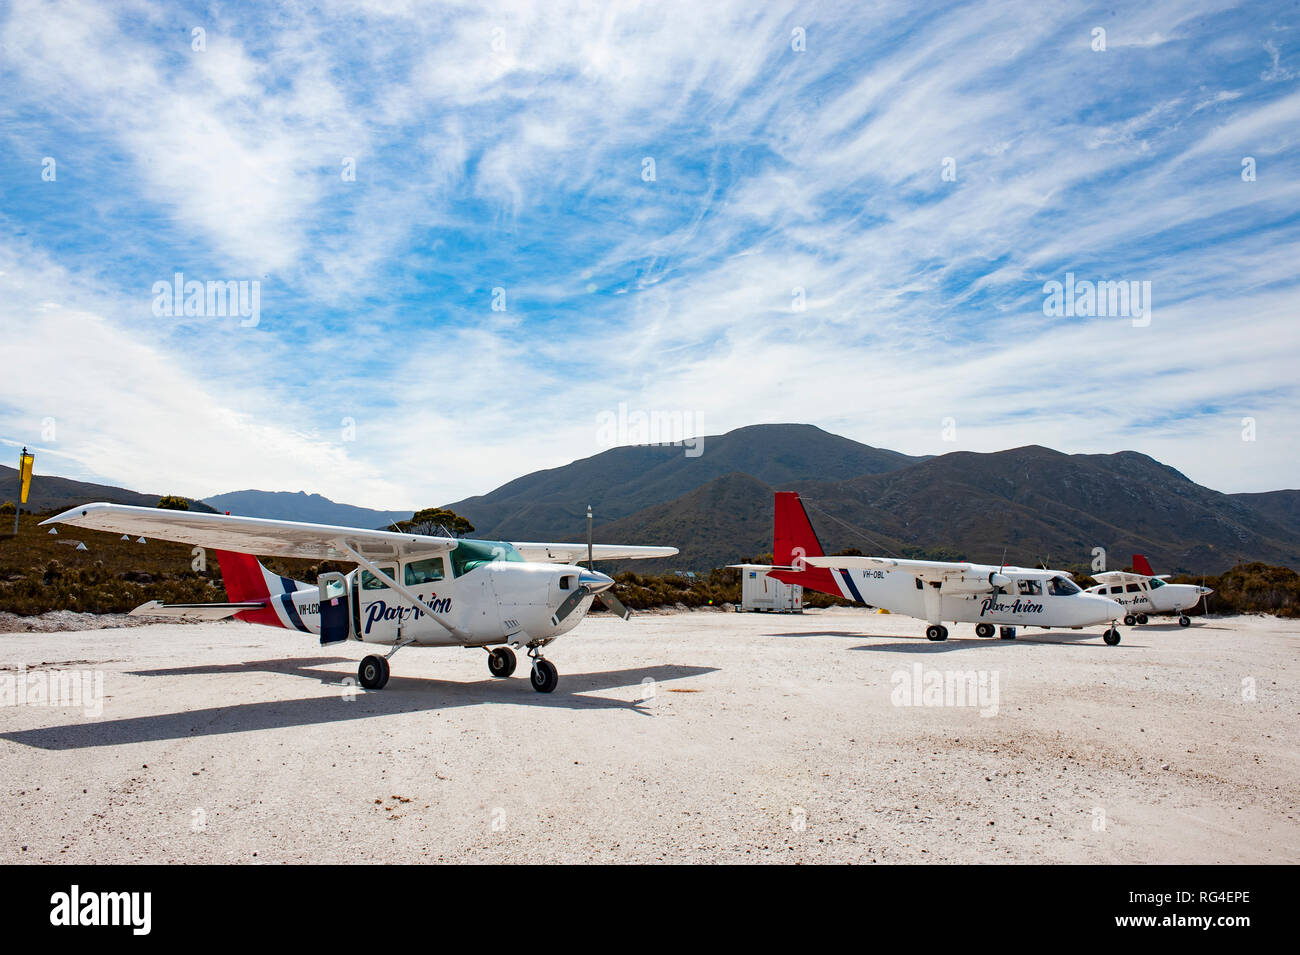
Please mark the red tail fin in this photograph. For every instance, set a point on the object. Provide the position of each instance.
(792, 535)
(1141, 566)
(793, 538)
(245, 580)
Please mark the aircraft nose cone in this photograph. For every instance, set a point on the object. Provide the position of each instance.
(1205, 591)
(595, 581)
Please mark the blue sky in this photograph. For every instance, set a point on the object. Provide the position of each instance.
(506, 146)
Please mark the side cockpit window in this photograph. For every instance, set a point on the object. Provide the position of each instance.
(424, 571)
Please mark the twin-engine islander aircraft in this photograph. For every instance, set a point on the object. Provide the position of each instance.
(407, 589)
(1143, 592)
(935, 591)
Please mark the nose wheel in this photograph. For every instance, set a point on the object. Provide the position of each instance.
(544, 677)
(1184, 621)
(1111, 637)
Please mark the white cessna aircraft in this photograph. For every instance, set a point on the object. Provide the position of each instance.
(935, 591)
(407, 589)
(1142, 591)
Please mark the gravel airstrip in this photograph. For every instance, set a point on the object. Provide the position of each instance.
(676, 737)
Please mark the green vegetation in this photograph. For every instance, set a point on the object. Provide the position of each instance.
(8, 507)
(431, 517)
(1250, 588)
(172, 502)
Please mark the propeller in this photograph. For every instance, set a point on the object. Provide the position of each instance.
(591, 582)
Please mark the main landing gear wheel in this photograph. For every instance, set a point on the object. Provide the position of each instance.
(1142, 618)
(984, 630)
(544, 677)
(936, 632)
(1111, 637)
(1008, 633)
(1129, 620)
(373, 673)
(1184, 621)
(501, 662)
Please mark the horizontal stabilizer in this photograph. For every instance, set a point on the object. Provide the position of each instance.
(156, 608)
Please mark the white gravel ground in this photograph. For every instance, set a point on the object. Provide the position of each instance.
(689, 737)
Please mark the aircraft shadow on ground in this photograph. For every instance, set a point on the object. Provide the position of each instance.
(401, 695)
(300, 666)
(855, 634)
(921, 645)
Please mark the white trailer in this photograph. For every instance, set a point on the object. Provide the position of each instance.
(759, 592)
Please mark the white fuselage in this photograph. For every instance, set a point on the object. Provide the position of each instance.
(1029, 598)
(493, 603)
(1137, 593)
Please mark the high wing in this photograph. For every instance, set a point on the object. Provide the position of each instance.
(252, 535)
(571, 553)
(954, 577)
(934, 570)
(925, 569)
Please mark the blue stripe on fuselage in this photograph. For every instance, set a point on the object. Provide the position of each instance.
(287, 600)
(852, 587)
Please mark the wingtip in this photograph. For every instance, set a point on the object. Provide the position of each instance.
(65, 516)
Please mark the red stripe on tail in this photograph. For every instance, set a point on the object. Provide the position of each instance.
(244, 581)
(1141, 566)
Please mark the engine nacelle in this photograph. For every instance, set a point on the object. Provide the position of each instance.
(973, 583)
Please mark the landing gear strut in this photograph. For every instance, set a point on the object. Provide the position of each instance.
(501, 662)
(544, 677)
(936, 632)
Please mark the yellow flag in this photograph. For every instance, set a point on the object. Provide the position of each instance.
(25, 473)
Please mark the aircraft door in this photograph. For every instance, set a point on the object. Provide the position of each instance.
(335, 622)
(378, 608)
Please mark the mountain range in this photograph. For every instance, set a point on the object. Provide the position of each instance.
(301, 506)
(48, 493)
(1024, 505)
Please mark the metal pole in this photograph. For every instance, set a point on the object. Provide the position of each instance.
(18, 504)
(590, 563)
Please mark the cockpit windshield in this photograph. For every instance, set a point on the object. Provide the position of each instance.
(1155, 582)
(1063, 587)
(470, 554)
